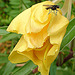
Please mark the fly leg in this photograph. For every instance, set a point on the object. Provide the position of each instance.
(56, 11)
(49, 11)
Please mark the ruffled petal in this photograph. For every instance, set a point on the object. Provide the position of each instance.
(31, 20)
(19, 23)
(57, 38)
(54, 49)
(43, 70)
(58, 23)
(39, 16)
(37, 26)
(22, 45)
(50, 57)
(16, 57)
(21, 53)
(40, 52)
(32, 56)
(37, 39)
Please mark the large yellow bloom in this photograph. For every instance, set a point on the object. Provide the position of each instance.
(41, 36)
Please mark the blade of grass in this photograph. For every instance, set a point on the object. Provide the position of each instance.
(26, 69)
(70, 34)
(9, 67)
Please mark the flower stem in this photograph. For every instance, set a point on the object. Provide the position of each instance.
(69, 9)
(24, 4)
(68, 57)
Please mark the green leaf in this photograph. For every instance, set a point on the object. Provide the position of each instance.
(38, 73)
(53, 68)
(3, 59)
(3, 54)
(2, 69)
(26, 69)
(14, 2)
(43, 0)
(14, 13)
(4, 27)
(8, 9)
(64, 71)
(70, 26)
(15, 69)
(2, 4)
(9, 37)
(3, 32)
(9, 67)
(70, 34)
(17, 6)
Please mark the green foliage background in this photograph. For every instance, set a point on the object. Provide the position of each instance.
(10, 9)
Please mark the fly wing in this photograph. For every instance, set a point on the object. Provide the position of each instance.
(48, 6)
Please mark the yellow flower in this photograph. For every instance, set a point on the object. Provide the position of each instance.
(42, 35)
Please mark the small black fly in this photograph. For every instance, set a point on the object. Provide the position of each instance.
(53, 7)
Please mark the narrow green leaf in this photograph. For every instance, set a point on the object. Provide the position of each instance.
(3, 59)
(4, 27)
(53, 68)
(9, 67)
(9, 37)
(38, 73)
(2, 4)
(26, 69)
(12, 46)
(70, 34)
(15, 69)
(3, 54)
(14, 2)
(3, 32)
(64, 71)
(2, 69)
(70, 26)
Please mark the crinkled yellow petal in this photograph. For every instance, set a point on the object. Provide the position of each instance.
(53, 50)
(22, 45)
(57, 38)
(16, 57)
(50, 57)
(32, 56)
(40, 52)
(33, 23)
(42, 55)
(19, 23)
(37, 39)
(46, 50)
(22, 53)
(43, 70)
(27, 38)
(39, 16)
(31, 20)
(58, 23)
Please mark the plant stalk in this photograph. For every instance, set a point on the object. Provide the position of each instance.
(69, 9)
